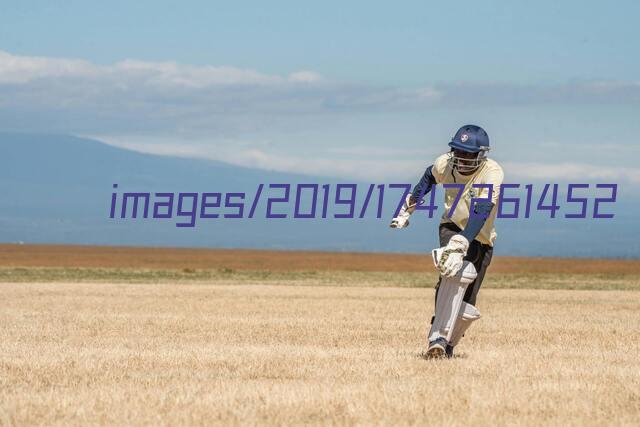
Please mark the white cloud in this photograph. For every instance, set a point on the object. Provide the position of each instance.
(179, 94)
(575, 172)
(365, 169)
(224, 106)
(244, 153)
(382, 165)
(131, 96)
(305, 76)
(22, 69)
(173, 74)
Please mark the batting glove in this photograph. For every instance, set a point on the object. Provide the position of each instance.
(453, 256)
(402, 220)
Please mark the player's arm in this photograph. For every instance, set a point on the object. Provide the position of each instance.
(482, 208)
(409, 206)
(425, 184)
(456, 249)
(477, 219)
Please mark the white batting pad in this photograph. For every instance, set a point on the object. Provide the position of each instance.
(468, 314)
(449, 302)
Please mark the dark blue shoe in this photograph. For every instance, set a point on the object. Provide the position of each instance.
(437, 348)
(448, 351)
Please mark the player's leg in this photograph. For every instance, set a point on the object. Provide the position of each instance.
(469, 313)
(448, 307)
(446, 231)
(480, 256)
(481, 260)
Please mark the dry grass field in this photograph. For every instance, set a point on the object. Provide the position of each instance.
(106, 345)
(76, 256)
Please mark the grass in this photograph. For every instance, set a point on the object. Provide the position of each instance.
(312, 278)
(207, 351)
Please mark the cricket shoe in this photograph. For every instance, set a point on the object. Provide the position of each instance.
(437, 349)
(448, 351)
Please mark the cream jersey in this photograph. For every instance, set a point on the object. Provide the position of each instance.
(490, 173)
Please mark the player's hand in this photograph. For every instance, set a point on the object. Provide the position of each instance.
(453, 256)
(402, 220)
(399, 222)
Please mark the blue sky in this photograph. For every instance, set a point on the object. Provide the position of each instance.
(364, 89)
(409, 43)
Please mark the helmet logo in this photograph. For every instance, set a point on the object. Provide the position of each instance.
(464, 138)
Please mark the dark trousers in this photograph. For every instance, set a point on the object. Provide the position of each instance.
(478, 254)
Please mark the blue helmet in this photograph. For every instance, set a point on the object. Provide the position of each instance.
(470, 138)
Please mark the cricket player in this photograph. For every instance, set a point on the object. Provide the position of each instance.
(467, 233)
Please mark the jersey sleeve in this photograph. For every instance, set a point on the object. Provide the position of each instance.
(440, 167)
(494, 178)
(424, 185)
(492, 182)
(432, 176)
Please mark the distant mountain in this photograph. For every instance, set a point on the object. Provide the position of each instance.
(57, 189)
